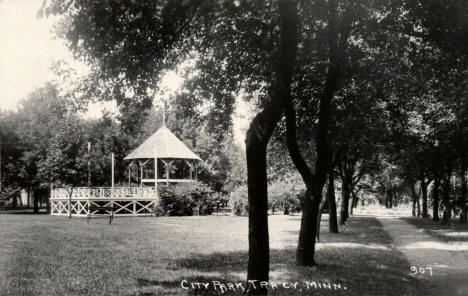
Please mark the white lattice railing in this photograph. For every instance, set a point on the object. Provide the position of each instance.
(105, 193)
(132, 201)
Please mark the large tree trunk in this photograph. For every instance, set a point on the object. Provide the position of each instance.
(419, 208)
(258, 135)
(332, 219)
(390, 200)
(413, 198)
(446, 200)
(354, 201)
(258, 265)
(462, 197)
(29, 196)
(306, 246)
(319, 218)
(435, 197)
(424, 197)
(345, 195)
(48, 201)
(36, 201)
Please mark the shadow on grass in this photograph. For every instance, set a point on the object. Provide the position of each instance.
(22, 212)
(356, 270)
(453, 232)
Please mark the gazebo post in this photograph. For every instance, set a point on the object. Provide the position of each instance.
(190, 168)
(112, 171)
(155, 171)
(141, 173)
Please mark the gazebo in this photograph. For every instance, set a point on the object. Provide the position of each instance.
(163, 158)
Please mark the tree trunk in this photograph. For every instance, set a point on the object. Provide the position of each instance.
(462, 197)
(36, 201)
(390, 199)
(435, 196)
(354, 202)
(256, 140)
(29, 196)
(257, 137)
(419, 207)
(319, 219)
(345, 195)
(446, 200)
(424, 197)
(413, 198)
(306, 246)
(332, 219)
(48, 201)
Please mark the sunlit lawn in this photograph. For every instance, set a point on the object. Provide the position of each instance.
(44, 255)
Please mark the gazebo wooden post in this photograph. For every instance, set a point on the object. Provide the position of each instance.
(141, 173)
(168, 164)
(190, 167)
(112, 182)
(70, 203)
(155, 171)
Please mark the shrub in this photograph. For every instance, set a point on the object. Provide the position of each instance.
(239, 201)
(186, 199)
(282, 196)
(279, 199)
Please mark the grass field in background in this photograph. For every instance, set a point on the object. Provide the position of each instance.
(48, 255)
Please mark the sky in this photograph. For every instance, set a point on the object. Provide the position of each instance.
(28, 48)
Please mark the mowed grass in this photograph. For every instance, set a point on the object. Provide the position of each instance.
(45, 255)
(452, 232)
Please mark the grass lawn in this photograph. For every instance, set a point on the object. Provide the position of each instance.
(45, 255)
(453, 232)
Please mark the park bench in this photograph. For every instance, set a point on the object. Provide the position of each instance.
(106, 209)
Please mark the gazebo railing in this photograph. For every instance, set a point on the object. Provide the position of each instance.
(104, 192)
(126, 201)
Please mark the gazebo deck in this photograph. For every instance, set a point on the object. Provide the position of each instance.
(126, 201)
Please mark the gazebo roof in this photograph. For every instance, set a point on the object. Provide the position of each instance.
(167, 145)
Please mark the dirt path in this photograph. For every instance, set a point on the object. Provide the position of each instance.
(448, 260)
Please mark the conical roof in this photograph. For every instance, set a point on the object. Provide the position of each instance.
(167, 146)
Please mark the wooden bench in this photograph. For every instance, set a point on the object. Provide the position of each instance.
(101, 208)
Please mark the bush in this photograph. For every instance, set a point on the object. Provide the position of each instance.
(279, 199)
(185, 199)
(282, 196)
(239, 201)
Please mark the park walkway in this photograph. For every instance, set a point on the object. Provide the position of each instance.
(423, 250)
